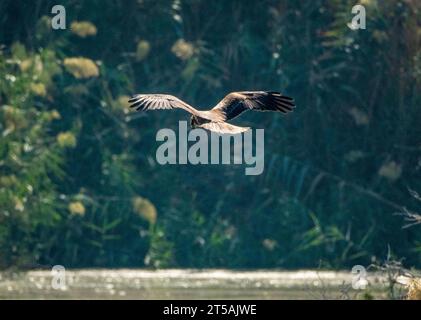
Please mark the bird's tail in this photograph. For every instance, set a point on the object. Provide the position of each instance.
(223, 128)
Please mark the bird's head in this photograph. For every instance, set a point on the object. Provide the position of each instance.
(193, 122)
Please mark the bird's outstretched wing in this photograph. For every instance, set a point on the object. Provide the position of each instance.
(223, 127)
(236, 103)
(143, 102)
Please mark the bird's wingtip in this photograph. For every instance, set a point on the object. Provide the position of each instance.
(133, 98)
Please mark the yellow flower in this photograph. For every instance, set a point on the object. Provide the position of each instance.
(83, 28)
(51, 115)
(39, 89)
(32, 64)
(77, 208)
(182, 49)
(19, 204)
(55, 115)
(390, 170)
(25, 65)
(14, 118)
(145, 209)
(142, 51)
(81, 67)
(66, 140)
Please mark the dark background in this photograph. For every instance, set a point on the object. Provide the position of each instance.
(79, 183)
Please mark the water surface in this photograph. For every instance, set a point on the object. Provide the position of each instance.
(188, 284)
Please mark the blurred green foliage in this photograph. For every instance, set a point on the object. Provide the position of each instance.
(79, 185)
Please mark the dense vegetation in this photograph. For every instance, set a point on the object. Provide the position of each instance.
(79, 183)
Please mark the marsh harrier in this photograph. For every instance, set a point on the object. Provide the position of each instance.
(227, 109)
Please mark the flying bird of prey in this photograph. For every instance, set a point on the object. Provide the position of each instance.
(227, 109)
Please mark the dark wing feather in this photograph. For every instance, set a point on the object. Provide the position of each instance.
(236, 103)
(143, 102)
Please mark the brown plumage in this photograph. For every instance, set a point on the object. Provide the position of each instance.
(227, 109)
